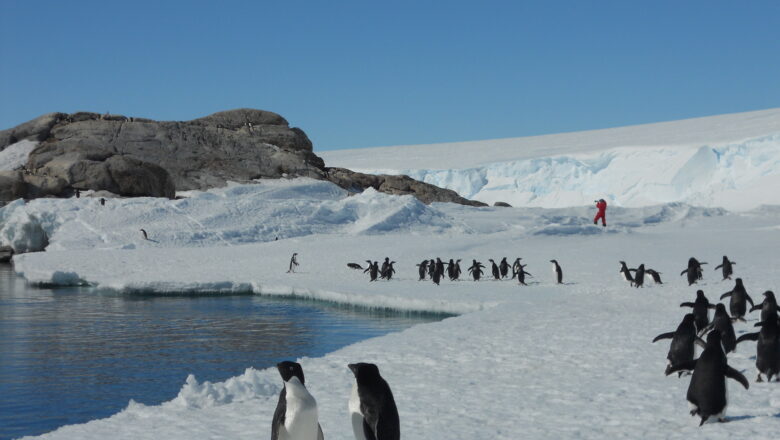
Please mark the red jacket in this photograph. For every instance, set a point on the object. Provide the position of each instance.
(602, 205)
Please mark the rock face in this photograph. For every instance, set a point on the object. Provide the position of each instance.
(141, 157)
(399, 185)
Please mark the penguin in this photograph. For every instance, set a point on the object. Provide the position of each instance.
(368, 268)
(683, 340)
(726, 268)
(700, 310)
(354, 266)
(383, 269)
(722, 323)
(767, 348)
(496, 271)
(373, 271)
(422, 269)
(655, 275)
(503, 266)
(739, 297)
(626, 272)
(146, 237)
(450, 268)
(102, 201)
(436, 277)
(707, 390)
(558, 271)
(521, 273)
(389, 271)
(455, 275)
(768, 307)
(516, 267)
(694, 271)
(371, 405)
(296, 411)
(431, 267)
(639, 276)
(293, 262)
(476, 269)
(440, 267)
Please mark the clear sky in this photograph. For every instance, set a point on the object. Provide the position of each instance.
(367, 73)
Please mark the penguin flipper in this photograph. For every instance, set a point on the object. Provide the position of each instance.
(367, 431)
(756, 307)
(320, 435)
(385, 430)
(682, 366)
(718, 266)
(687, 304)
(731, 373)
(725, 295)
(749, 299)
(278, 420)
(748, 337)
(669, 335)
(684, 272)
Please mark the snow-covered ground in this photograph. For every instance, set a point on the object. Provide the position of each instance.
(15, 155)
(729, 161)
(536, 361)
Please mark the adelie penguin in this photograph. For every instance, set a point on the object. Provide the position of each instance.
(557, 271)
(639, 276)
(354, 266)
(296, 416)
(373, 270)
(655, 275)
(768, 307)
(722, 323)
(145, 235)
(739, 300)
(693, 271)
(683, 340)
(726, 268)
(767, 348)
(707, 390)
(422, 269)
(516, 266)
(496, 272)
(293, 262)
(701, 310)
(626, 272)
(383, 269)
(372, 406)
(520, 273)
(503, 266)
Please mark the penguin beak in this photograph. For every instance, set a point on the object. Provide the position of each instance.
(353, 368)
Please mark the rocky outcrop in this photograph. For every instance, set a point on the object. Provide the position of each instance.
(6, 253)
(502, 204)
(395, 184)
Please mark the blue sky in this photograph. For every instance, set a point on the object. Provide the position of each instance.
(366, 73)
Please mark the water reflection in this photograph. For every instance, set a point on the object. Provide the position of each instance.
(72, 355)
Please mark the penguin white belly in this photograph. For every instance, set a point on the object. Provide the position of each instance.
(301, 421)
(355, 414)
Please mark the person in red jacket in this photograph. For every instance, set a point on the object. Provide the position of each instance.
(601, 204)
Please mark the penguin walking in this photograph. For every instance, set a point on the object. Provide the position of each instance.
(431, 267)
(496, 271)
(722, 323)
(739, 300)
(557, 271)
(476, 269)
(373, 271)
(436, 277)
(768, 307)
(293, 263)
(389, 271)
(456, 271)
(694, 271)
(440, 267)
(354, 266)
(422, 270)
(707, 390)
(521, 273)
(516, 266)
(372, 406)
(683, 340)
(701, 309)
(726, 268)
(143, 232)
(655, 275)
(626, 272)
(639, 276)
(296, 416)
(767, 349)
(503, 267)
(383, 269)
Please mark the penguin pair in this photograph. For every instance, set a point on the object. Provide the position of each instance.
(372, 408)
(694, 270)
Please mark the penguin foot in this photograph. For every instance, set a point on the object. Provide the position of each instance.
(759, 379)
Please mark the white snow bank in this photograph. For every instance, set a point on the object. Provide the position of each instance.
(225, 216)
(15, 155)
(726, 161)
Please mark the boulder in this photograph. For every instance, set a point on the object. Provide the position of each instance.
(502, 204)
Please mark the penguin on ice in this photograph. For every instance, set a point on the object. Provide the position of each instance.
(626, 272)
(722, 323)
(701, 309)
(383, 269)
(496, 272)
(768, 307)
(639, 276)
(739, 300)
(371, 405)
(389, 271)
(655, 275)
(767, 349)
(707, 390)
(440, 267)
(693, 271)
(354, 266)
(521, 273)
(296, 415)
(476, 269)
(422, 269)
(682, 348)
(143, 232)
(516, 266)
(503, 266)
(293, 262)
(726, 268)
(557, 271)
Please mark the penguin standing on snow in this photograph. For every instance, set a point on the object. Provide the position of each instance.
(516, 266)
(496, 272)
(520, 273)
(371, 405)
(373, 270)
(626, 272)
(440, 267)
(383, 269)
(143, 232)
(722, 323)
(707, 390)
(693, 271)
(296, 415)
(655, 275)
(422, 269)
(503, 266)
(457, 271)
(682, 348)
(768, 307)
(476, 269)
(767, 349)
(389, 271)
(726, 268)
(639, 276)
(557, 271)
(701, 310)
(293, 262)
(739, 300)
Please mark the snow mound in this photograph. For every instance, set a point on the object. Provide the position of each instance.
(236, 214)
(250, 385)
(15, 155)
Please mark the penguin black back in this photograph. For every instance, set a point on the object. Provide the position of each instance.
(377, 405)
(558, 271)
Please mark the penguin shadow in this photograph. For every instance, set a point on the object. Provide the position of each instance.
(532, 283)
(153, 241)
(569, 284)
(748, 417)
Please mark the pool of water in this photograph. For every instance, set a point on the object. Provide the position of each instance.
(71, 355)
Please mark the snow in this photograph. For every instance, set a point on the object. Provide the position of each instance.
(721, 161)
(15, 155)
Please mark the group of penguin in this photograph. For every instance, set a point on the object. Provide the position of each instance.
(435, 270)
(372, 409)
(707, 389)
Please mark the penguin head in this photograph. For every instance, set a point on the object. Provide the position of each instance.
(554, 261)
(713, 338)
(364, 372)
(699, 294)
(387, 259)
(720, 309)
(289, 369)
(689, 318)
(739, 281)
(770, 295)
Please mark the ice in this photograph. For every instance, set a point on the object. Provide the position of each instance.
(15, 155)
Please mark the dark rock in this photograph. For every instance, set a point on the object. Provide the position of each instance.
(398, 185)
(6, 253)
(37, 130)
(502, 204)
